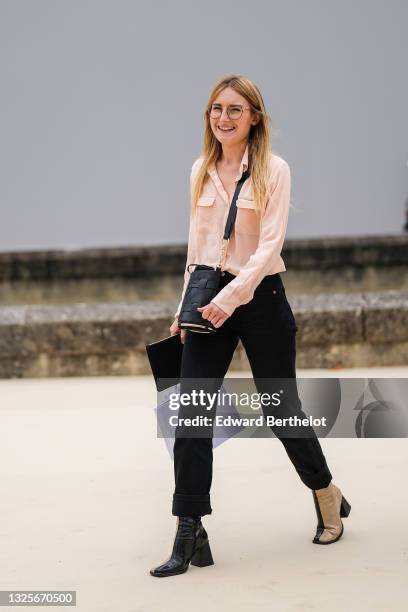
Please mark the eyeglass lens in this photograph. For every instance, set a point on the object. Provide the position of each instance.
(233, 111)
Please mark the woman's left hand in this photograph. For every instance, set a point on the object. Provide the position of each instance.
(213, 313)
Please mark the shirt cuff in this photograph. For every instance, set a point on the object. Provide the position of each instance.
(226, 300)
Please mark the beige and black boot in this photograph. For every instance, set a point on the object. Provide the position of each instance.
(331, 506)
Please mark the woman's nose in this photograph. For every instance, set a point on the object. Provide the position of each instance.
(224, 110)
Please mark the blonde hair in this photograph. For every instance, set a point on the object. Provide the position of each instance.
(259, 146)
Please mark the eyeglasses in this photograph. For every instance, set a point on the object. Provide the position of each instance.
(234, 111)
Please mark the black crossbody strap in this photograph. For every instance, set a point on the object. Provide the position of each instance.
(230, 219)
(233, 208)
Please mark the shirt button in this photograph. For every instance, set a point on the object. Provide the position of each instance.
(274, 291)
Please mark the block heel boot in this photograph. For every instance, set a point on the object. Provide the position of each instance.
(191, 545)
(331, 506)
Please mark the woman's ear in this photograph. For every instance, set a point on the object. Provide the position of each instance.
(255, 119)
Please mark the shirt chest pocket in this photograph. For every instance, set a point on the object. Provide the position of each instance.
(247, 221)
(206, 220)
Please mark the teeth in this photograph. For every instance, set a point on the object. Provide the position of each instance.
(226, 129)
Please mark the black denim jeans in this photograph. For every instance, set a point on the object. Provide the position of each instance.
(267, 329)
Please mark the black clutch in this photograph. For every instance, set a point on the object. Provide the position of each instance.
(204, 281)
(165, 361)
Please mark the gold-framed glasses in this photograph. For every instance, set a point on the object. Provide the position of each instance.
(234, 111)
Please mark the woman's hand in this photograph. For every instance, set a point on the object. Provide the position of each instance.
(213, 313)
(175, 329)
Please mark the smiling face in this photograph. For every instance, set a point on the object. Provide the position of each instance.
(231, 131)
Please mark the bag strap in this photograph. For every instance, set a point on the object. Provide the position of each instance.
(232, 214)
(231, 217)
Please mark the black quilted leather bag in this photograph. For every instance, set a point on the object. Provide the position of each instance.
(204, 281)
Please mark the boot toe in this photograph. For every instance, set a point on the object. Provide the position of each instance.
(326, 536)
(168, 568)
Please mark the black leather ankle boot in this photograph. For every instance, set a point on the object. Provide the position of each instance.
(190, 546)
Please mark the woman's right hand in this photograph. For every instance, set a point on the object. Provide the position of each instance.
(175, 329)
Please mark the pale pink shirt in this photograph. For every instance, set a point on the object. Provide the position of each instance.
(255, 245)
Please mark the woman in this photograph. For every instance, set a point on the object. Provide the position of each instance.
(251, 305)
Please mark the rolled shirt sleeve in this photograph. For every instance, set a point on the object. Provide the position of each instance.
(271, 238)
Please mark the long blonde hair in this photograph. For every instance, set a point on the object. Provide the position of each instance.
(259, 146)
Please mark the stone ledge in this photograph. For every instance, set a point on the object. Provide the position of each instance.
(377, 251)
(335, 330)
(348, 318)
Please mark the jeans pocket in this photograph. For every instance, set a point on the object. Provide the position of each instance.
(271, 304)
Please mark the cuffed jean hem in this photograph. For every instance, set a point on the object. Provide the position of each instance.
(320, 480)
(191, 505)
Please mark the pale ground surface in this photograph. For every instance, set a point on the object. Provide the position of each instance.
(86, 491)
